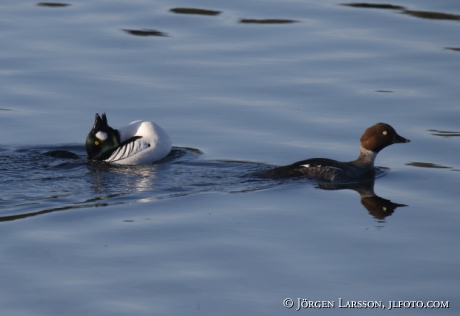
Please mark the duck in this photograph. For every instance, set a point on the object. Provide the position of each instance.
(139, 143)
(324, 170)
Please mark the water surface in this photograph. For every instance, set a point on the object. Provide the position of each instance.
(238, 86)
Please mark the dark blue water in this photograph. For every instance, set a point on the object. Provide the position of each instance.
(239, 86)
(45, 179)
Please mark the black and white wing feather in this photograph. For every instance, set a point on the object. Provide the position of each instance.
(128, 148)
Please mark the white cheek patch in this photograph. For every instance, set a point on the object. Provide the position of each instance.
(101, 135)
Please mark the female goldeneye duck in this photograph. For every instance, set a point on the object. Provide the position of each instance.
(374, 139)
(141, 142)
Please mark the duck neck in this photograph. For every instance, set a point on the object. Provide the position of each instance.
(365, 159)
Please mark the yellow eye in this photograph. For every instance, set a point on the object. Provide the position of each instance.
(385, 132)
(96, 143)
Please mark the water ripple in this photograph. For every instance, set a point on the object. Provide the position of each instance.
(41, 180)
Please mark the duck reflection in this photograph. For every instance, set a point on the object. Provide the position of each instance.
(105, 179)
(378, 207)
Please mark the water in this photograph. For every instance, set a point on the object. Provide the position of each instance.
(195, 234)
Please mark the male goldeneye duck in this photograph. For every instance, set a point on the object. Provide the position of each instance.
(374, 139)
(141, 142)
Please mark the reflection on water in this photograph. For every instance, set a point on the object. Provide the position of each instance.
(145, 32)
(418, 14)
(59, 179)
(373, 6)
(378, 207)
(65, 154)
(266, 21)
(53, 4)
(444, 133)
(54, 179)
(454, 48)
(75, 231)
(194, 11)
(432, 15)
(427, 165)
